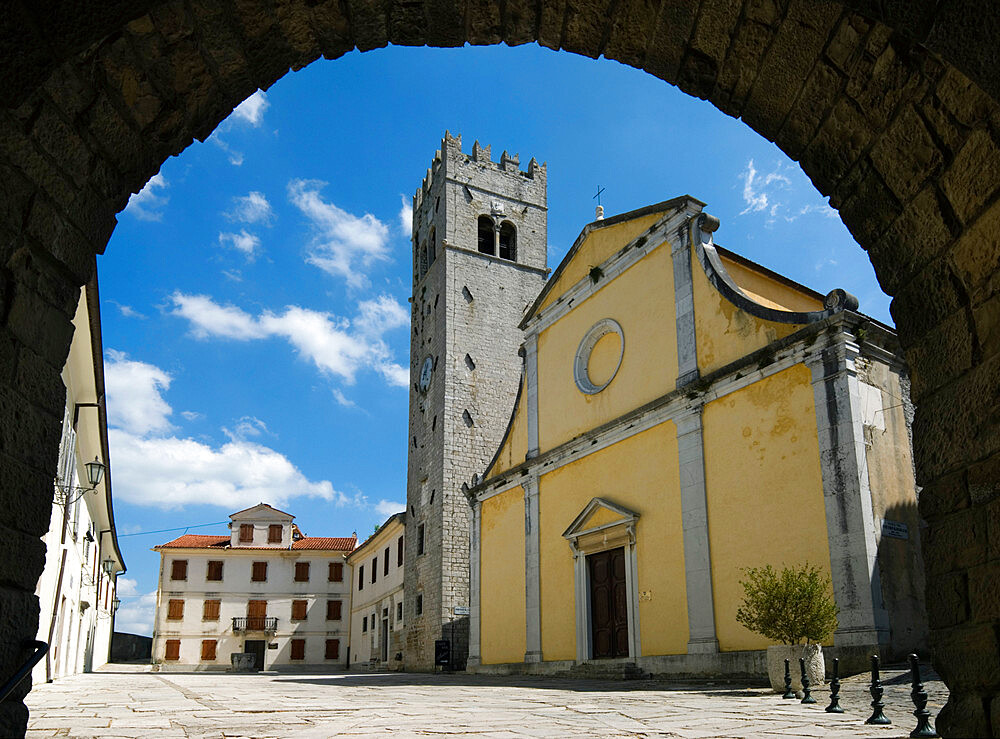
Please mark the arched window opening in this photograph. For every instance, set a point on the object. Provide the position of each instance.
(508, 241)
(423, 258)
(486, 235)
(432, 247)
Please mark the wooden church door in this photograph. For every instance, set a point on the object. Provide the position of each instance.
(608, 604)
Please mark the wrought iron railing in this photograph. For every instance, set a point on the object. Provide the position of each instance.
(39, 648)
(255, 623)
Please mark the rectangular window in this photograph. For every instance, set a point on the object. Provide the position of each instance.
(301, 572)
(298, 648)
(385, 561)
(256, 609)
(173, 649)
(208, 650)
(333, 648)
(336, 573)
(420, 603)
(175, 609)
(374, 568)
(364, 624)
(298, 610)
(420, 539)
(333, 610)
(361, 577)
(210, 610)
(259, 572)
(274, 533)
(214, 570)
(179, 569)
(246, 532)
(399, 552)
(399, 611)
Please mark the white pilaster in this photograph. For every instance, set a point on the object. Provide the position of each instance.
(694, 517)
(687, 354)
(532, 587)
(531, 386)
(474, 538)
(850, 521)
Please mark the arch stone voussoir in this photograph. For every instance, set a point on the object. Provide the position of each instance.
(891, 109)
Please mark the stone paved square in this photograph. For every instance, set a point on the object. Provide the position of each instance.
(125, 701)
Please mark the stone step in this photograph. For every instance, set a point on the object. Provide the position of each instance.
(608, 670)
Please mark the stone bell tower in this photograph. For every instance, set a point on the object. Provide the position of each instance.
(479, 260)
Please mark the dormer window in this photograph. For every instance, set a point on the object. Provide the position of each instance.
(274, 533)
(508, 241)
(246, 533)
(486, 236)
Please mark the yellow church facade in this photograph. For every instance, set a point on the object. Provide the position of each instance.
(685, 413)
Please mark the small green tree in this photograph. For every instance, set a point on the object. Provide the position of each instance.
(789, 606)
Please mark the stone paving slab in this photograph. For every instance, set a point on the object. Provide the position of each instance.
(130, 703)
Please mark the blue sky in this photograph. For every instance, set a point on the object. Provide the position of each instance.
(254, 295)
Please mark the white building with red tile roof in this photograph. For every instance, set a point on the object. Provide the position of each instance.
(265, 589)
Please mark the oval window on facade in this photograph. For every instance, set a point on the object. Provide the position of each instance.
(599, 356)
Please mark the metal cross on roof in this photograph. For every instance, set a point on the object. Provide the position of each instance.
(598, 195)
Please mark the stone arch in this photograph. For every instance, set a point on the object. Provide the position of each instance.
(890, 108)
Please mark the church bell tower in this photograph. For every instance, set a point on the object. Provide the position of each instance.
(479, 260)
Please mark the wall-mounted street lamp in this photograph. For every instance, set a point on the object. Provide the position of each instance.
(115, 602)
(66, 494)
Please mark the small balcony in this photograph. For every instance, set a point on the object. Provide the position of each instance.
(255, 623)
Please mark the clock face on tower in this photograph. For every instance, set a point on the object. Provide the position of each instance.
(425, 374)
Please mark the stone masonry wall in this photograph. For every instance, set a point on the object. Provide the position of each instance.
(890, 107)
(469, 305)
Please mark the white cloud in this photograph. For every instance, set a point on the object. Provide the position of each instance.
(343, 399)
(245, 242)
(252, 109)
(171, 472)
(135, 615)
(342, 245)
(126, 587)
(251, 208)
(775, 194)
(387, 508)
(147, 205)
(406, 216)
(245, 427)
(208, 318)
(334, 345)
(133, 395)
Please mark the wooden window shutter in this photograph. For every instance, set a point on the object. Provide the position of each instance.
(214, 570)
(298, 610)
(259, 573)
(336, 572)
(274, 533)
(256, 609)
(179, 569)
(333, 648)
(208, 650)
(301, 572)
(333, 610)
(175, 609)
(399, 552)
(246, 532)
(210, 610)
(173, 649)
(298, 648)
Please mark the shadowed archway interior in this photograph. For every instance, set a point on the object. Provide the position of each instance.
(889, 107)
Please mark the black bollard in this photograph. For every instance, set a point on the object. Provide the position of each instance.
(919, 697)
(789, 693)
(806, 695)
(834, 706)
(877, 716)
